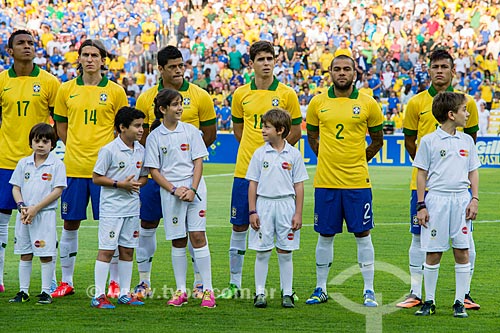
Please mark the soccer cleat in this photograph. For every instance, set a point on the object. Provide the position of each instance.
(427, 309)
(2, 288)
(130, 300)
(142, 290)
(470, 304)
(410, 301)
(370, 300)
(101, 302)
(21, 297)
(64, 289)
(318, 296)
(113, 290)
(44, 298)
(287, 301)
(208, 300)
(294, 295)
(197, 291)
(53, 286)
(230, 292)
(179, 299)
(260, 301)
(459, 310)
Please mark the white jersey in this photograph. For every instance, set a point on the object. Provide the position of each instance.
(483, 121)
(448, 159)
(173, 152)
(117, 161)
(38, 182)
(276, 172)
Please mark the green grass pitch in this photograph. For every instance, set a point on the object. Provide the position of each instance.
(342, 313)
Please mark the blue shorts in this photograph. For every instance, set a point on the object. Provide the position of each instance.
(75, 199)
(239, 202)
(150, 201)
(333, 206)
(6, 199)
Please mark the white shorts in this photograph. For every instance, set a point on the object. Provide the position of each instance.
(122, 231)
(39, 237)
(446, 221)
(275, 223)
(181, 217)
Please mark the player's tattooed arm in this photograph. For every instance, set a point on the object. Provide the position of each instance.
(313, 139)
(377, 143)
(411, 145)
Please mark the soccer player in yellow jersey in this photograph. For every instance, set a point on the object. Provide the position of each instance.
(249, 104)
(27, 96)
(198, 110)
(341, 118)
(85, 110)
(418, 122)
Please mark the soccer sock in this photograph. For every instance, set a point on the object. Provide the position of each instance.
(113, 267)
(24, 275)
(324, 259)
(417, 259)
(69, 248)
(124, 276)
(462, 275)
(366, 260)
(202, 257)
(100, 275)
(286, 272)
(145, 252)
(4, 236)
(237, 248)
(47, 272)
(431, 273)
(54, 266)
(179, 264)
(472, 260)
(196, 270)
(261, 268)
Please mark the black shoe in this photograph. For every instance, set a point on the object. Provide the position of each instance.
(427, 309)
(260, 301)
(459, 310)
(44, 298)
(288, 301)
(21, 297)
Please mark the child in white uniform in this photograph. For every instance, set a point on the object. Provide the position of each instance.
(38, 181)
(275, 199)
(447, 163)
(174, 154)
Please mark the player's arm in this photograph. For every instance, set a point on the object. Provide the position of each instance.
(238, 131)
(209, 133)
(294, 135)
(472, 207)
(145, 133)
(422, 214)
(411, 145)
(252, 205)
(313, 139)
(62, 130)
(377, 143)
(474, 136)
(299, 204)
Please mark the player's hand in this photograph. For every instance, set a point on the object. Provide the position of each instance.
(255, 222)
(130, 185)
(471, 210)
(423, 217)
(187, 194)
(296, 222)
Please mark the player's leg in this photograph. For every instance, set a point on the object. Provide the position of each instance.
(114, 286)
(7, 204)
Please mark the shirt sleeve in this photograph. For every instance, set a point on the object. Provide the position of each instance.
(60, 174)
(152, 157)
(422, 158)
(104, 160)
(198, 148)
(253, 172)
(17, 176)
(299, 172)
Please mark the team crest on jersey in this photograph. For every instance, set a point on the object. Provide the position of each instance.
(233, 212)
(442, 152)
(186, 101)
(185, 146)
(111, 234)
(175, 220)
(36, 88)
(64, 207)
(138, 164)
(103, 97)
(286, 166)
(433, 233)
(275, 102)
(315, 219)
(265, 164)
(47, 176)
(163, 150)
(415, 220)
(121, 164)
(39, 243)
(27, 176)
(356, 110)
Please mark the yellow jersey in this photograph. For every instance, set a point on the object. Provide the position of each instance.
(420, 121)
(249, 105)
(342, 123)
(24, 102)
(90, 113)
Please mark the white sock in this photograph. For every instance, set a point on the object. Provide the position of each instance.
(100, 276)
(324, 259)
(431, 273)
(4, 236)
(196, 270)
(462, 275)
(261, 269)
(54, 266)
(113, 267)
(202, 257)
(124, 276)
(417, 259)
(237, 249)
(68, 250)
(145, 252)
(472, 260)
(179, 264)
(366, 260)
(24, 275)
(286, 272)
(47, 272)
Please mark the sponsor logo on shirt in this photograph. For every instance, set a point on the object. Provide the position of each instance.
(202, 213)
(185, 146)
(138, 165)
(40, 243)
(290, 236)
(46, 176)
(464, 230)
(136, 233)
(286, 166)
(463, 152)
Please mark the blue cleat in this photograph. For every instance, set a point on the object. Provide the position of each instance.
(370, 300)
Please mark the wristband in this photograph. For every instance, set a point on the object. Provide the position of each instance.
(173, 190)
(20, 205)
(475, 198)
(115, 184)
(195, 192)
(420, 205)
(252, 212)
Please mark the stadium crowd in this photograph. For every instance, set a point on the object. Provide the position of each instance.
(390, 41)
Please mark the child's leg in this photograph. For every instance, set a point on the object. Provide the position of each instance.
(113, 267)
(4, 236)
(125, 269)
(431, 272)
(179, 262)
(261, 269)
(25, 266)
(286, 271)
(462, 273)
(101, 270)
(202, 257)
(47, 272)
